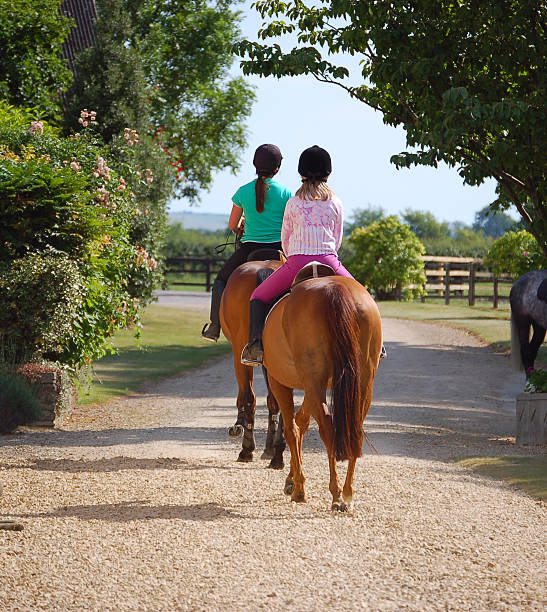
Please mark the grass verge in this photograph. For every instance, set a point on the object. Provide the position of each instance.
(171, 342)
(491, 324)
(526, 473)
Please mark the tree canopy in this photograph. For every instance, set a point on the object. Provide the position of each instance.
(465, 79)
(493, 223)
(32, 72)
(163, 67)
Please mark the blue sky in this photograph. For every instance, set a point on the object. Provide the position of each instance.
(298, 112)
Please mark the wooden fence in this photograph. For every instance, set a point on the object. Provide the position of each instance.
(193, 266)
(459, 277)
(448, 278)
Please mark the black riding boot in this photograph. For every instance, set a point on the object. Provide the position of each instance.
(252, 353)
(211, 331)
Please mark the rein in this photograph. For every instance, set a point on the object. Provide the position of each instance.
(219, 249)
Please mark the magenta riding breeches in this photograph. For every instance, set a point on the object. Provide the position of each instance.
(283, 277)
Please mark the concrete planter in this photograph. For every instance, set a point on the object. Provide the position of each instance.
(531, 419)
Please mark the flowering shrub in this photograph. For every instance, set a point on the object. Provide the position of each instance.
(65, 204)
(515, 253)
(387, 259)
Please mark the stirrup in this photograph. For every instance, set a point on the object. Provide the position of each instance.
(247, 358)
(207, 328)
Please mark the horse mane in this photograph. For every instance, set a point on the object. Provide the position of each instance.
(345, 406)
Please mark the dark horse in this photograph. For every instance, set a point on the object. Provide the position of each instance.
(528, 300)
(325, 334)
(234, 319)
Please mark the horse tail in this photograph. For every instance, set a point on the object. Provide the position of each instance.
(516, 357)
(345, 404)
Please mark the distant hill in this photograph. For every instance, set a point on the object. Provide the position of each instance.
(203, 221)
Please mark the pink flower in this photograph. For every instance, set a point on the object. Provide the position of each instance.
(36, 127)
(525, 253)
(75, 166)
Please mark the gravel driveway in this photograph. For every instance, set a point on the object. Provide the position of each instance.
(140, 505)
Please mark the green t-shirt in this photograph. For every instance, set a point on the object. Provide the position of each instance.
(264, 226)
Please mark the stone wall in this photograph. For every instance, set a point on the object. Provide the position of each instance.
(54, 389)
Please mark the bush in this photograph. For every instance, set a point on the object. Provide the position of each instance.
(40, 297)
(18, 404)
(515, 253)
(537, 382)
(387, 258)
(79, 250)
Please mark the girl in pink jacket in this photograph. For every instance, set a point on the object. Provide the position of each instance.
(311, 231)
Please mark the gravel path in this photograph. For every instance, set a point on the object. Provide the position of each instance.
(140, 505)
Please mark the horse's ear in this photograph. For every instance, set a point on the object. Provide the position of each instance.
(542, 291)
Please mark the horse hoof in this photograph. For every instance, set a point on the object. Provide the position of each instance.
(276, 463)
(235, 431)
(299, 498)
(289, 488)
(245, 456)
(267, 454)
(339, 506)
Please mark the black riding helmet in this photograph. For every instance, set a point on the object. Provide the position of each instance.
(267, 159)
(315, 164)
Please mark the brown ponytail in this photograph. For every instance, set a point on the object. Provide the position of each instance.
(260, 193)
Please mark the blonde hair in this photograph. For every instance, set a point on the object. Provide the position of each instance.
(314, 190)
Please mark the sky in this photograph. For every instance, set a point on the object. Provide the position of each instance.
(297, 112)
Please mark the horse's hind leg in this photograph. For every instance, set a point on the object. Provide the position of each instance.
(529, 349)
(294, 484)
(246, 403)
(321, 413)
(537, 339)
(277, 462)
(273, 411)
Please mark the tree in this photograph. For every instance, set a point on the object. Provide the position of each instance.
(363, 217)
(162, 67)
(465, 79)
(493, 223)
(424, 224)
(387, 258)
(32, 72)
(515, 253)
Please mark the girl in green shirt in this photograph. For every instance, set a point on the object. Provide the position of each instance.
(257, 216)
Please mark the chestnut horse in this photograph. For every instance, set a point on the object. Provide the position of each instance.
(234, 320)
(326, 334)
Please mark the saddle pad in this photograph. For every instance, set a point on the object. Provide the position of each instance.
(274, 305)
(314, 269)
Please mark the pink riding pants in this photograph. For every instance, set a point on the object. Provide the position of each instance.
(283, 277)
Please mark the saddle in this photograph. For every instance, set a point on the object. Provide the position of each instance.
(266, 254)
(314, 269)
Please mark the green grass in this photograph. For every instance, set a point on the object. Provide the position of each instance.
(526, 473)
(491, 324)
(172, 277)
(171, 342)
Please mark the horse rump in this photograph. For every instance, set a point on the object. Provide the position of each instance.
(345, 405)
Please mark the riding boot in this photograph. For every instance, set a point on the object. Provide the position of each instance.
(253, 353)
(211, 331)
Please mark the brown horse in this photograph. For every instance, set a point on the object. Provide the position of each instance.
(326, 334)
(234, 320)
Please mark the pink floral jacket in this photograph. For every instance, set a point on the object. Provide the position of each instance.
(312, 227)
